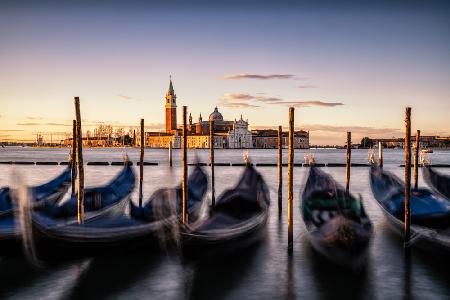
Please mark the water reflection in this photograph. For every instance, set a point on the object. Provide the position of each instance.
(337, 282)
(109, 275)
(215, 276)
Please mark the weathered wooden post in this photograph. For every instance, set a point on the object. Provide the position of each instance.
(141, 163)
(290, 179)
(348, 162)
(280, 170)
(79, 162)
(185, 170)
(407, 177)
(73, 156)
(416, 161)
(170, 153)
(211, 160)
(380, 154)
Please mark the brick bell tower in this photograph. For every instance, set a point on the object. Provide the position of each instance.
(171, 108)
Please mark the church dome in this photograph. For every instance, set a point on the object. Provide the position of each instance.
(216, 115)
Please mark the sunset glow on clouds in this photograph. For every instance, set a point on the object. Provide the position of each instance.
(343, 69)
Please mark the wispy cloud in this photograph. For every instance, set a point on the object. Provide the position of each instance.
(245, 100)
(312, 103)
(306, 86)
(41, 124)
(365, 130)
(34, 118)
(125, 97)
(10, 130)
(258, 76)
(230, 103)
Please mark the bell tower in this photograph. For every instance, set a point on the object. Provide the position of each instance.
(171, 108)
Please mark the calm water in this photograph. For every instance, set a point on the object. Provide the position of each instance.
(264, 271)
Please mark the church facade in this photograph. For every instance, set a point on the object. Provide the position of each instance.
(228, 134)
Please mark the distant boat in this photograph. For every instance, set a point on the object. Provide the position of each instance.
(430, 213)
(427, 150)
(337, 223)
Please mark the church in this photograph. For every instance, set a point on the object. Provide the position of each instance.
(227, 134)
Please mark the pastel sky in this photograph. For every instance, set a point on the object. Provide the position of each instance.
(348, 68)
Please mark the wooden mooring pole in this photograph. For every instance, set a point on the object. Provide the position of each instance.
(80, 202)
(290, 179)
(211, 161)
(407, 177)
(348, 162)
(185, 169)
(141, 162)
(416, 161)
(280, 169)
(380, 154)
(73, 157)
(170, 153)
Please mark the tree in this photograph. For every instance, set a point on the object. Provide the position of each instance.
(366, 142)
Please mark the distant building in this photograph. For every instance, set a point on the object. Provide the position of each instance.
(268, 138)
(228, 134)
(428, 141)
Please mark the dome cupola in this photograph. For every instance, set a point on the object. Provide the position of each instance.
(216, 115)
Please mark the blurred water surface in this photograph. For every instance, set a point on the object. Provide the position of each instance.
(264, 271)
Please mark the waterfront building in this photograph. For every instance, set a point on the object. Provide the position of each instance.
(268, 139)
(228, 134)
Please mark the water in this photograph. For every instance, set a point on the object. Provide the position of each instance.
(264, 271)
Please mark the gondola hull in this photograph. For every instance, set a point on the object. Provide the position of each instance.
(438, 182)
(237, 220)
(225, 241)
(336, 222)
(435, 237)
(331, 242)
(121, 231)
(421, 237)
(42, 196)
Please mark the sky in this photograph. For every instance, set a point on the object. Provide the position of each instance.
(352, 67)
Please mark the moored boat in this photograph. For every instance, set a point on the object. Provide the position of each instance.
(438, 182)
(429, 212)
(236, 219)
(143, 224)
(337, 223)
(42, 195)
(98, 202)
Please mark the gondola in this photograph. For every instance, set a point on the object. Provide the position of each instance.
(337, 223)
(236, 219)
(429, 212)
(142, 225)
(98, 202)
(42, 195)
(438, 182)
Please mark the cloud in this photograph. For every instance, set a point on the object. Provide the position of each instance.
(258, 76)
(307, 86)
(311, 103)
(34, 118)
(230, 103)
(10, 130)
(365, 130)
(125, 97)
(245, 100)
(42, 124)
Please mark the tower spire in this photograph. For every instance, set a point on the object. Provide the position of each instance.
(170, 91)
(171, 108)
